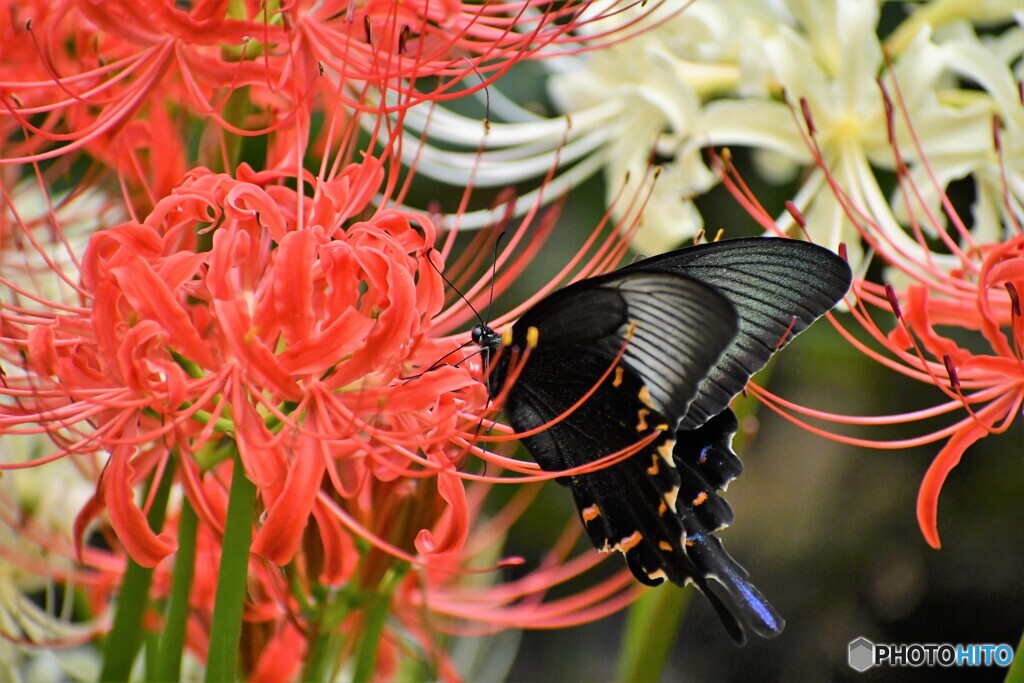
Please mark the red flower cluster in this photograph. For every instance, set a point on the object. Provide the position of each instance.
(943, 290)
(118, 79)
(298, 321)
(289, 329)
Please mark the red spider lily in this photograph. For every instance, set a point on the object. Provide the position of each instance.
(281, 324)
(242, 311)
(963, 285)
(303, 328)
(173, 338)
(75, 73)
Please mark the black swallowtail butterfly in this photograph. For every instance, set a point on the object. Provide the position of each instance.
(685, 331)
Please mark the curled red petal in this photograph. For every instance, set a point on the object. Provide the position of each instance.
(293, 284)
(340, 554)
(108, 247)
(150, 296)
(452, 528)
(246, 199)
(935, 477)
(41, 352)
(288, 511)
(259, 361)
(263, 457)
(90, 511)
(128, 520)
(316, 353)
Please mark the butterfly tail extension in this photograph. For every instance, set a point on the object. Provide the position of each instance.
(722, 577)
(707, 463)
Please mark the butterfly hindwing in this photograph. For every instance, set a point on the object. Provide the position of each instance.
(657, 516)
(630, 506)
(706, 464)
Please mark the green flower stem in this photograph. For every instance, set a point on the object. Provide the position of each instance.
(326, 642)
(1016, 672)
(321, 644)
(651, 633)
(167, 665)
(377, 609)
(229, 601)
(151, 651)
(125, 637)
(222, 424)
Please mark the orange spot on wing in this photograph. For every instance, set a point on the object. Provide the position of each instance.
(700, 498)
(665, 545)
(590, 513)
(618, 376)
(653, 469)
(631, 541)
(665, 450)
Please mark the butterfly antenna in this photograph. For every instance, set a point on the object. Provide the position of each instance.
(457, 291)
(494, 270)
(436, 364)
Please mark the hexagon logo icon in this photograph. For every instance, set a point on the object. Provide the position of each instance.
(862, 654)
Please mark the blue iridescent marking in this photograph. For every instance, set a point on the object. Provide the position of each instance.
(748, 592)
(756, 603)
(703, 454)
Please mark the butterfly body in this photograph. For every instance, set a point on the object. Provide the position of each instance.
(645, 360)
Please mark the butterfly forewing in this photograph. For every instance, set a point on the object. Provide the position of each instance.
(777, 286)
(672, 329)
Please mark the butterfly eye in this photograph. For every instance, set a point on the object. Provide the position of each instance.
(477, 334)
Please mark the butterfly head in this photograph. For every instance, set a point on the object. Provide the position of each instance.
(490, 343)
(486, 338)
